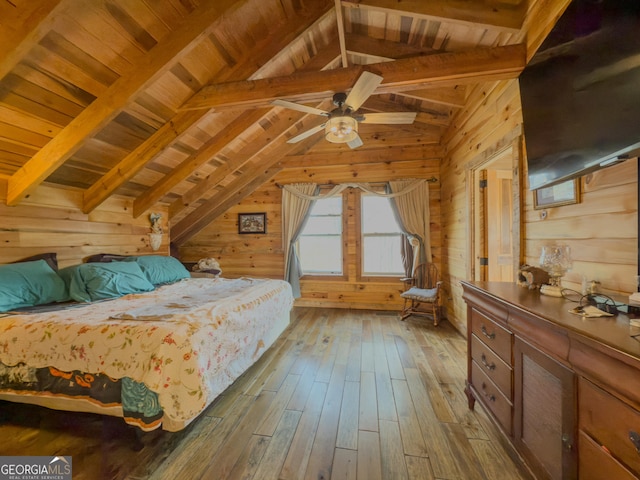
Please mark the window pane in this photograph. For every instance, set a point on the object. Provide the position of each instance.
(320, 243)
(381, 238)
(381, 255)
(377, 216)
(327, 206)
(323, 225)
(321, 254)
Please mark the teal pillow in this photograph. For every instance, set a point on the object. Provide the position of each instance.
(51, 258)
(73, 281)
(89, 282)
(160, 270)
(29, 283)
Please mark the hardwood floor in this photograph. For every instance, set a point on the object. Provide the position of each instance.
(342, 394)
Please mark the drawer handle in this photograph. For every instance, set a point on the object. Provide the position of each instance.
(635, 439)
(487, 365)
(488, 396)
(484, 331)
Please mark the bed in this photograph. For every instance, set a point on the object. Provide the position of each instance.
(156, 357)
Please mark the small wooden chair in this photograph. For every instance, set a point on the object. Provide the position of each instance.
(422, 290)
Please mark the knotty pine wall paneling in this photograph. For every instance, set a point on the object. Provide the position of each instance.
(491, 113)
(51, 220)
(251, 255)
(601, 230)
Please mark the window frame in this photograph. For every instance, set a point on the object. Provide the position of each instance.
(360, 275)
(344, 236)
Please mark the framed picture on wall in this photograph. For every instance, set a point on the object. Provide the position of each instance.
(252, 223)
(564, 193)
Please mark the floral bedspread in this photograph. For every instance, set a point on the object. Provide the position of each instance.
(187, 341)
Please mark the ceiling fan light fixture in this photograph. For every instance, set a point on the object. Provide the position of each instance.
(341, 129)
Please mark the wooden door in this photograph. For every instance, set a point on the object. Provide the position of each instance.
(505, 163)
(499, 221)
(544, 413)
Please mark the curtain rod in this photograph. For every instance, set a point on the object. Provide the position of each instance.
(430, 180)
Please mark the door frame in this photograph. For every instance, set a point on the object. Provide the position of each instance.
(475, 247)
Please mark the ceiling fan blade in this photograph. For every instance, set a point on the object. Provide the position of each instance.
(298, 107)
(364, 87)
(398, 118)
(306, 134)
(356, 142)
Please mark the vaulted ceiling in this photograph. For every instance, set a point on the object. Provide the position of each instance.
(170, 100)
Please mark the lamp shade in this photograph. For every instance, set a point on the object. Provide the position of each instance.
(341, 129)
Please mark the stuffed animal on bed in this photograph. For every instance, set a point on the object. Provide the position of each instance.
(209, 265)
(532, 277)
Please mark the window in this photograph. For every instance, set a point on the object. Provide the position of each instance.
(320, 243)
(381, 238)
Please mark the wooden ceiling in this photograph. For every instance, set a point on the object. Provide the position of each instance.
(169, 100)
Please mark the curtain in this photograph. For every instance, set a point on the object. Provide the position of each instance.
(295, 211)
(412, 209)
(410, 202)
(406, 250)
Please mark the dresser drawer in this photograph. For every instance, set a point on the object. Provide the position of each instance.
(496, 337)
(611, 423)
(595, 463)
(491, 396)
(492, 365)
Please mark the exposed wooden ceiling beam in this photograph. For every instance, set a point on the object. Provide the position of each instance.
(381, 136)
(382, 172)
(216, 144)
(108, 105)
(24, 24)
(240, 188)
(439, 118)
(450, 96)
(222, 172)
(277, 129)
(364, 155)
(540, 20)
(212, 181)
(263, 166)
(324, 59)
(362, 44)
(481, 64)
(430, 134)
(285, 121)
(506, 15)
(135, 161)
(341, 37)
(129, 166)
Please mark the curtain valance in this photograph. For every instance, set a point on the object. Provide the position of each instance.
(410, 185)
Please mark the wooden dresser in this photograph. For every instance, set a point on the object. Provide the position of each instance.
(564, 390)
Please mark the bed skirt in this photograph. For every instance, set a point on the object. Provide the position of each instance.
(82, 392)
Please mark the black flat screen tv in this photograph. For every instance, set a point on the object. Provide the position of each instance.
(581, 92)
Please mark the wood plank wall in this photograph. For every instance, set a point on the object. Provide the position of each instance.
(51, 220)
(262, 255)
(601, 230)
(250, 255)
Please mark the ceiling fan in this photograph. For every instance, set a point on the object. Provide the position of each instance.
(342, 123)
